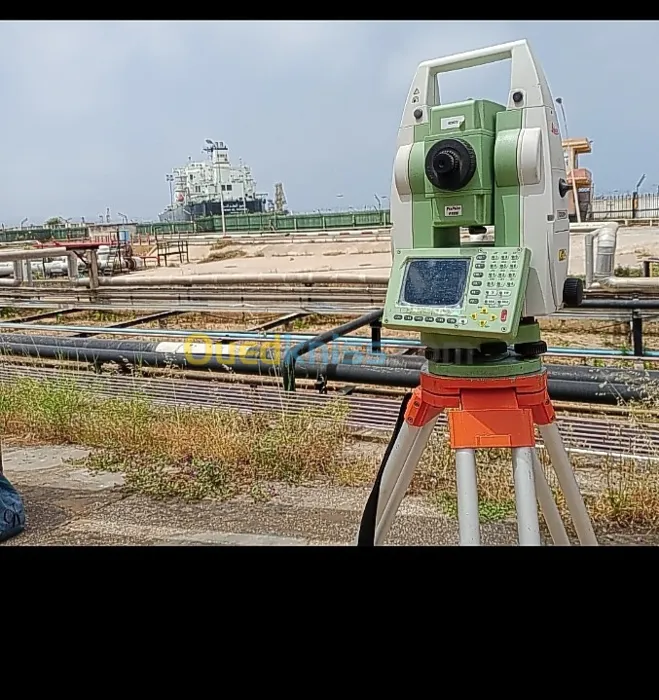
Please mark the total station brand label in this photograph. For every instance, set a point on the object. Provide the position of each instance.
(453, 210)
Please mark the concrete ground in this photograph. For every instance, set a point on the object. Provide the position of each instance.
(371, 256)
(67, 505)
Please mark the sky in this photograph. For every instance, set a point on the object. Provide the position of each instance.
(95, 114)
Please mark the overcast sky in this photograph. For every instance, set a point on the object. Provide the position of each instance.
(94, 114)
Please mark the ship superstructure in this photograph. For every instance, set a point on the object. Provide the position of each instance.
(204, 188)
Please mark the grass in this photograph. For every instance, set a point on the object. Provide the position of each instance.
(193, 453)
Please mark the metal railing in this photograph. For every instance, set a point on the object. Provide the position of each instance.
(625, 206)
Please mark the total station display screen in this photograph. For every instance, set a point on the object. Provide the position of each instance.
(435, 281)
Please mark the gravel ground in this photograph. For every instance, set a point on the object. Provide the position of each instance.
(372, 256)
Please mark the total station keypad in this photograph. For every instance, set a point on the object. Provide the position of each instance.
(493, 279)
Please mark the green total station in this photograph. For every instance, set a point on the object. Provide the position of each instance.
(461, 168)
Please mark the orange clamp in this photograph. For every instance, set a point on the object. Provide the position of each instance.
(484, 413)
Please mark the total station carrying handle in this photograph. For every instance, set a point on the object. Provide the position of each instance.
(526, 77)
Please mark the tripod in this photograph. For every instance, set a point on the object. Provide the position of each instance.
(482, 413)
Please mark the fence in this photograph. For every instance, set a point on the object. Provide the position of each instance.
(618, 206)
(625, 206)
(268, 223)
(43, 234)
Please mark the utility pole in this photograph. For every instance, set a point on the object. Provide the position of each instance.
(170, 180)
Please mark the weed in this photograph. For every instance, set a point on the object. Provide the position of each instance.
(193, 453)
(188, 453)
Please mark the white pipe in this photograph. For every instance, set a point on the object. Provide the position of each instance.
(606, 239)
(220, 279)
(590, 265)
(627, 284)
(600, 248)
(18, 271)
(38, 254)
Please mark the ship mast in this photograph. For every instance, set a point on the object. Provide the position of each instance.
(214, 148)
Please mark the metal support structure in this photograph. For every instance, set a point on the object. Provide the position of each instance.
(376, 336)
(92, 265)
(637, 333)
(268, 325)
(128, 324)
(44, 315)
(292, 355)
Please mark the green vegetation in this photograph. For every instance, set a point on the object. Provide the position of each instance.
(195, 453)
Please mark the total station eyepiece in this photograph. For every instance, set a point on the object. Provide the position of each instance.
(450, 164)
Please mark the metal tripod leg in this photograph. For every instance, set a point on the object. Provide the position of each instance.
(561, 463)
(548, 506)
(398, 473)
(467, 492)
(528, 527)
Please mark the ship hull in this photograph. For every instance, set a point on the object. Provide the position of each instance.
(199, 210)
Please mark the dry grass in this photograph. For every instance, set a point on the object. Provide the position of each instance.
(224, 254)
(186, 452)
(195, 453)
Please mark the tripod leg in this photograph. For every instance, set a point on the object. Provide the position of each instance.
(393, 478)
(398, 474)
(561, 464)
(548, 506)
(528, 526)
(467, 492)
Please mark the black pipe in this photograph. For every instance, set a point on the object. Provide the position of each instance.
(560, 389)
(292, 354)
(619, 304)
(322, 357)
(614, 375)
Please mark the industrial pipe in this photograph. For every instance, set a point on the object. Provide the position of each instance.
(600, 267)
(18, 257)
(630, 304)
(227, 279)
(606, 240)
(284, 337)
(227, 354)
(559, 389)
(224, 358)
(627, 284)
(34, 254)
(600, 249)
(590, 264)
(288, 362)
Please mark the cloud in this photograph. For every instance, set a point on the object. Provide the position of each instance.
(96, 113)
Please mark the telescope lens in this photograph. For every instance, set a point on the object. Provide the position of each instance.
(450, 164)
(445, 162)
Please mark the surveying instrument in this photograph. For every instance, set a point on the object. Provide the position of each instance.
(470, 165)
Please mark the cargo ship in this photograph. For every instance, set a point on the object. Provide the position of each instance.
(205, 188)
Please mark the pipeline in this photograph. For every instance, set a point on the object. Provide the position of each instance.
(582, 384)
(600, 264)
(630, 304)
(225, 354)
(228, 279)
(283, 338)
